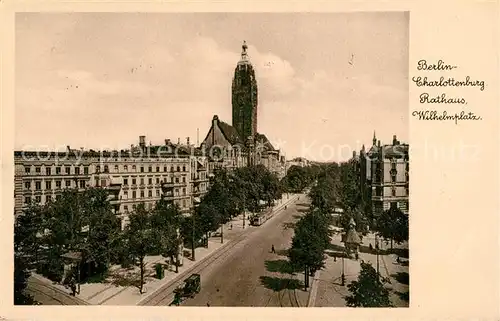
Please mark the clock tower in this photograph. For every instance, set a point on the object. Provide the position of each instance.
(244, 97)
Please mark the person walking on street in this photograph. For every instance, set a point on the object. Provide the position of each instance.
(72, 286)
(272, 249)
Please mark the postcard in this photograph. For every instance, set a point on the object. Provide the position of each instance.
(227, 160)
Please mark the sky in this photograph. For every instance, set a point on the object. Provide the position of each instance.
(326, 81)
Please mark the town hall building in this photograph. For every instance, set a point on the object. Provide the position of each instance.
(240, 144)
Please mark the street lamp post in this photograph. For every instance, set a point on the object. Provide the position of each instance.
(193, 239)
(244, 210)
(343, 275)
(222, 231)
(78, 265)
(376, 249)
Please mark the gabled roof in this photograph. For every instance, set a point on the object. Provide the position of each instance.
(230, 133)
(262, 138)
(389, 150)
(373, 150)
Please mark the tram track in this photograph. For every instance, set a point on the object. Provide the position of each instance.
(44, 290)
(164, 295)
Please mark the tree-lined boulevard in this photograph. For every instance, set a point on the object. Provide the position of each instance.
(79, 232)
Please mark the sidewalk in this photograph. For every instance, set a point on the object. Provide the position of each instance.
(119, 289)
(330, 292)
(48, 293)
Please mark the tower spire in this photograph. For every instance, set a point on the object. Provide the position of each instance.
(374, 139)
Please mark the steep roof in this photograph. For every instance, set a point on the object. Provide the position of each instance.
(395, 150)
(390, 151)
(267, 144)
(230, 133)
(373, 150)
(352, 237)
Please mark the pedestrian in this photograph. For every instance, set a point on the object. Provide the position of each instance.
(357, 256)
(334, 258)
(397, 260)
(73, 287)
(231, 226)
(208, 304)
(371, 247)
(272, 249)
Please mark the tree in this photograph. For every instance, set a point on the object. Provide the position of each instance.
(27, 230)
(368, 290)
(141, 238)
(21, 276)
(351, 185)
(324, 195)
(206, 216)
(81, 221)
(393, 224)
(359, 218)
(311, 238)
(166, 221)
(26, 246)
(297, 178)
(102, 227)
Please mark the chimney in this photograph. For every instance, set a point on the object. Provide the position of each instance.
(353, 154)
(68, 149)
(187, 141)
(394, 140)
(378, 143)
(142, 141)
(178, 141)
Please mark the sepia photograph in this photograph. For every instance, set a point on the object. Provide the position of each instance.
(212, 159)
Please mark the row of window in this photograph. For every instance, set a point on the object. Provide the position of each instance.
(58, 184)
(150, 193)
(393, 177)
(407, 190)
(59, 170)
(46, 198)
(150, 180)
(67, 169)
(378, 191)
(142, 169)
(38, 199)
(151, 205)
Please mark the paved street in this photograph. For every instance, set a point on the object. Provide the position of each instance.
(46, 294)
(248, 274)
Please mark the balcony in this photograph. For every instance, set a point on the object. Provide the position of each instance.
(114, 191)
(169, 185)
(197, 192)
(198, 180)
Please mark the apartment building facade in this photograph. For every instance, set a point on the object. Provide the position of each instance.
(132, 177)
(384, 171)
